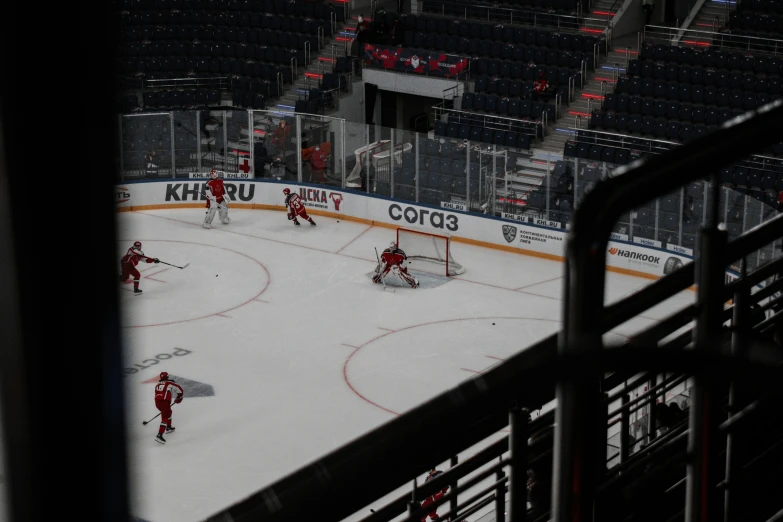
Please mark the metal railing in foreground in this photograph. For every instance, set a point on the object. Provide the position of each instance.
(706, 39)
(640, 182)
(337, 485)
(575, 21)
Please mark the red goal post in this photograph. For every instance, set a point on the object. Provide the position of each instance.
(426, 247)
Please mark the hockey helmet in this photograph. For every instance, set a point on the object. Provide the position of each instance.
(213, 174)
(286, 191)
(393, 244)
(137, 246)
(164, 376)
(317, 147)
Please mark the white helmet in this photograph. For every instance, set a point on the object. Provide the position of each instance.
(213, 174)
(393, 244)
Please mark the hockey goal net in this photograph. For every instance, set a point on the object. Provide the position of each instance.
(432, 249)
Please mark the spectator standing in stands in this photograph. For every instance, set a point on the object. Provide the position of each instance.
(648, 6)
(278, 169)
(318, 165)
(151, 165)
(279, 139)
(361, 37)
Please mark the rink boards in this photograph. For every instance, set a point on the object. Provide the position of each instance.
(529, 238)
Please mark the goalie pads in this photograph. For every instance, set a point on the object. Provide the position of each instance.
(223, 211)
(210, 216)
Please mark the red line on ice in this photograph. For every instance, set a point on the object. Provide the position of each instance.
(356, 350)
(156, 273)
(493, 357)
(259, 263)
(369, 260)
(539, 283)
(471, 371)
(354, 239)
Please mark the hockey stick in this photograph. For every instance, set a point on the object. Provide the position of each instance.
(153, 418)
(165, 263)
(175, 266)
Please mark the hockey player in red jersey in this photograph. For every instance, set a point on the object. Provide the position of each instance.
(295, 207)
(164, 392)
(128, 264)
(392, 259)
(437, 496)
(217, 200)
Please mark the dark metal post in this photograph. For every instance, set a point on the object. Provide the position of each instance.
(734, 448)
(453, 501)
(625, 428)
(700, 502)
(576, 457)
(517, 447)
(652, 416)
(500, 498)
(413, 503)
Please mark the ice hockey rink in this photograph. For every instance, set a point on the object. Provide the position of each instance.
(287, 350)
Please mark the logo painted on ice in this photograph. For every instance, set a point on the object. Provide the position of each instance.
(509, 232)
(190, 388)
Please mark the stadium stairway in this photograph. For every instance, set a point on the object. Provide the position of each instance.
(712, 16)
(309, 78)
(590, 96)
(604, 10)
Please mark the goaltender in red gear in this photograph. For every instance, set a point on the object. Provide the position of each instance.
(295, 207)
(392, 259)
(164, 392)
(128, 264)
(217, 200)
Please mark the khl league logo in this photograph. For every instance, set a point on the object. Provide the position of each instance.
(509, 232)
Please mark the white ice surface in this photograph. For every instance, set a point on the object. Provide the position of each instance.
(303, 351)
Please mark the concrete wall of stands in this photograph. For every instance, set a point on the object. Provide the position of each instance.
(522, 237)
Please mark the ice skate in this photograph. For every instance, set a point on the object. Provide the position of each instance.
(159, 439)
(296, 223)
(137, 291)
(207, 225)
(170, 429)
(312, 222)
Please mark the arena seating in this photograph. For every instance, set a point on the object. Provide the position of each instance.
(505, 62)
(442, 168)
(679, 93)
(251, 39)
(523, 10)
(760, 18)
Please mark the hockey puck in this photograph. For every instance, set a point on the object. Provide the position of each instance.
(493, 324)
(216, 276)
(338, 220)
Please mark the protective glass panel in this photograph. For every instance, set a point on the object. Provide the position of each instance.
(146, 146)
(669, 212)
(266, 163)
(321, 150)
(186, 143)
